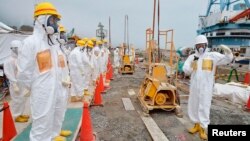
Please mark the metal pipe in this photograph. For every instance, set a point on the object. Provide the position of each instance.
(154, 21)
(159, 49)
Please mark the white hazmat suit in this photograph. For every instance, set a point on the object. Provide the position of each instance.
(202, 81)
(88, 67)
(76, 71)
(96, 63)
(116, 58)
(17, 92)
(62, 91)
(38, 69)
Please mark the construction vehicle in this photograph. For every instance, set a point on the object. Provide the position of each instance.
(127, 63)
(157, 90)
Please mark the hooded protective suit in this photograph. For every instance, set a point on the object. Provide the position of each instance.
(17, 92)
(76, 71)
(106, 53)
(116, 58)
(202, 81)
(88, 66)
(62, 91)
(38, 68)
(96, 62)
(103, 60)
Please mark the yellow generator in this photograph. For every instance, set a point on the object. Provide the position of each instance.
(127, 66)
(157, 93)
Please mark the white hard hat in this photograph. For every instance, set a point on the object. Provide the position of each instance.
(16, 43)
(201, 39)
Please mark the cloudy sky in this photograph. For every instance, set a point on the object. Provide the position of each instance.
(84, 16)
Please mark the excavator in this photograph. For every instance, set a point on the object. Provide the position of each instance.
(127, 62)
(157, 90)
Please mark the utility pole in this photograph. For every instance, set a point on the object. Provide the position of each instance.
(109, 33)
(101, 32)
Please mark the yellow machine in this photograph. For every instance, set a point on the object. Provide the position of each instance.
(127, 56)
(157, 90)
(127, 65)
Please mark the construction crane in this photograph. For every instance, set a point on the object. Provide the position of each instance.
(127, 63)
(157, 91)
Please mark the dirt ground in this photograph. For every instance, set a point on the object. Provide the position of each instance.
(113, 123)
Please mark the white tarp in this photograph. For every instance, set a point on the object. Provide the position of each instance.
(5, 28)
(235, 92)
(5, 40)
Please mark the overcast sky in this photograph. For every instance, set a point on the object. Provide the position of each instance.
(84, 16)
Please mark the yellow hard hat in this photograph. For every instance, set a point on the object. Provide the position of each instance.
(105, 41)
(46, 8)
(61, 28)
(99, 42)
(85, 39)
(93, 39)
(90, 44)
(80, 43)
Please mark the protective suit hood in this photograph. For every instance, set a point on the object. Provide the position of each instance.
(39, 30)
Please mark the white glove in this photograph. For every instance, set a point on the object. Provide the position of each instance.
(66, 82)
(16, 88)
(226, 49)
(26, 92)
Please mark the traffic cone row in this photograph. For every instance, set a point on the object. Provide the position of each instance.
(86, 133)
(9, 130)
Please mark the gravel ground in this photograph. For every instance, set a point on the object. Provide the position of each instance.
(113, 123)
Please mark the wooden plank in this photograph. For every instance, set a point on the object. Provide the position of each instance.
(131, 92)
(127, 104)
(154, 129)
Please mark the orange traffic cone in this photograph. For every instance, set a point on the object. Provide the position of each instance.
(108, 70)
(101, 85)
(86, 133)
(9, 130)
(111, 72)
(247, 78)
(97, 98)
(247, 107)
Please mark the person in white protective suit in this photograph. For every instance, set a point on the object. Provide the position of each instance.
(63, 87)
(88, 66)
(116, 57)
(77, 72)
(17, 93)
(131, 55)
(96, 61)
(106, 54)
(38, 67)
(104, 57)
(201, 67)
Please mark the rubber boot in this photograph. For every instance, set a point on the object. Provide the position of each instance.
(86, 93)
(25, 116)
(59, 138)
(73, 99)
(20, 119)
(195, 129)
(203, 134)
(65, 133)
